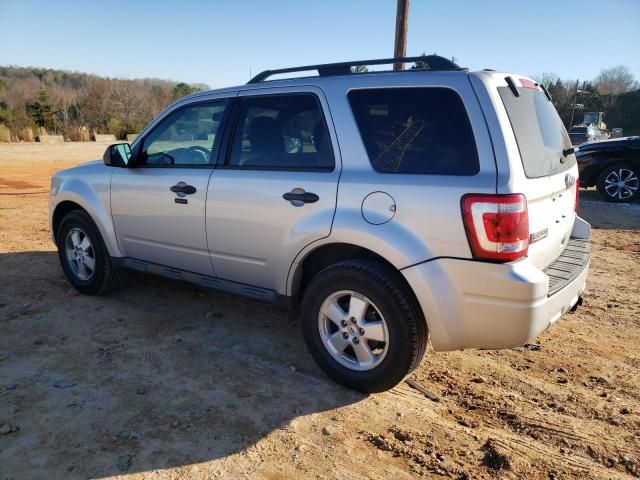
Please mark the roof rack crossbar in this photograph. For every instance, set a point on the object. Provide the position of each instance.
(435, 62)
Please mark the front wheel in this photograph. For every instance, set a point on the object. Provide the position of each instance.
(362, 325)
(619, 183)
(83, 255)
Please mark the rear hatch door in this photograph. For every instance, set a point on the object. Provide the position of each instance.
(549, 169)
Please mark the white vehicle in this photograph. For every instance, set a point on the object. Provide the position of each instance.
(381, 207)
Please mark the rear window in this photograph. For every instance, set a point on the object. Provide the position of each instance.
(415, 130)
(540, 134)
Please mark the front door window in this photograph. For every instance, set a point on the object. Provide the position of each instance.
(187, 137)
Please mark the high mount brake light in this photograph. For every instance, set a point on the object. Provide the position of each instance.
(497, 226)
(526, 83)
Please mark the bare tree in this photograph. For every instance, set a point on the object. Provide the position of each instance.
(615, 80)
(612, 82)
(93, 105)
(546, 78)
(64, 101)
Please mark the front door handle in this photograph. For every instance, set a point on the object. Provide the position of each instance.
(183, 188)
(298, 197)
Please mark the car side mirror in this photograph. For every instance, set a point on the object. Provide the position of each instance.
(117, 155)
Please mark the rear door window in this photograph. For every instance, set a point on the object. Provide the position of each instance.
(415, 130)
(286, 132)
(539, 132)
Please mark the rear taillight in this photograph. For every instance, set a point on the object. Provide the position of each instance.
(497, 226)
(577, 194)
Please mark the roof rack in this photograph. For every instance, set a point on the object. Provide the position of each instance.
(435, 62)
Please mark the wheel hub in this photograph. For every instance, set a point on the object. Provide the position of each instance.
(80, 254)
(621, 183)
(353, 330)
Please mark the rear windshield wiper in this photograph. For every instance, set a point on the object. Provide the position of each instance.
(569, 151)
(546, 92)
(512, 86)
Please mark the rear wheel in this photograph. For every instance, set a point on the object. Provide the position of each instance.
(362, 326)
(619, 183)
(83, 255)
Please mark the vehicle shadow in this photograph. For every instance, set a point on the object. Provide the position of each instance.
(157, 374)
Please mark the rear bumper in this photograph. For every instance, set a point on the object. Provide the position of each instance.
(471, 304)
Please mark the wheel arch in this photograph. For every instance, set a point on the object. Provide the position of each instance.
(61, 210)
(322, 256)
(327, 254)
(589, 175)
(79, 196)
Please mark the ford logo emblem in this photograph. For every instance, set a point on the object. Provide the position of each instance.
(569, 180)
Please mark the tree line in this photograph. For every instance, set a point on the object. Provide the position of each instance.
(614, 91)
(37, 101)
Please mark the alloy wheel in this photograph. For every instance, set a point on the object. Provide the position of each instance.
(80, 254)
(621, 183)
(353, 330)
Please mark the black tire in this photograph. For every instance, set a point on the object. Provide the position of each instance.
(407, 329)
(106, 275)
(614, 169)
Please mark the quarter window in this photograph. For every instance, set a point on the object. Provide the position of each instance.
(281, 132)
(415, 130)
(185, 137)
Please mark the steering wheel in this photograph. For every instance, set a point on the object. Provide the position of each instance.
(202, 151)
(160, 158)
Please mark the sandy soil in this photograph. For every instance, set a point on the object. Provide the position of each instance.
(162, 380)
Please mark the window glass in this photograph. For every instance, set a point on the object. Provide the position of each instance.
(415, 130)
(281, 131)
(539, 132)
(186, 137)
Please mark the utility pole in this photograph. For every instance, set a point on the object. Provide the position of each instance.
(402, 26)
(573, 105)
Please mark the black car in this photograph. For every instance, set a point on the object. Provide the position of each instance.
(613, 166)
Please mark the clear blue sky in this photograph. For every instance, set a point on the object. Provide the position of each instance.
(218, 42)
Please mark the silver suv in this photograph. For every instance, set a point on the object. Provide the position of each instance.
(380, 207)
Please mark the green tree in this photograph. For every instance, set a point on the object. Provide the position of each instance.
(625, 113)
(5, 113)
(182, 89)
(40, 111)
(420, 65)
(5, 110)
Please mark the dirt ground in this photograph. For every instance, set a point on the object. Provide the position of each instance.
(164, 380)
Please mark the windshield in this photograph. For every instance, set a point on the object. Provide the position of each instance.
(539, 132)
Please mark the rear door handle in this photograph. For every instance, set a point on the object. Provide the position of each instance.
(298, 197)
(183, 188)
